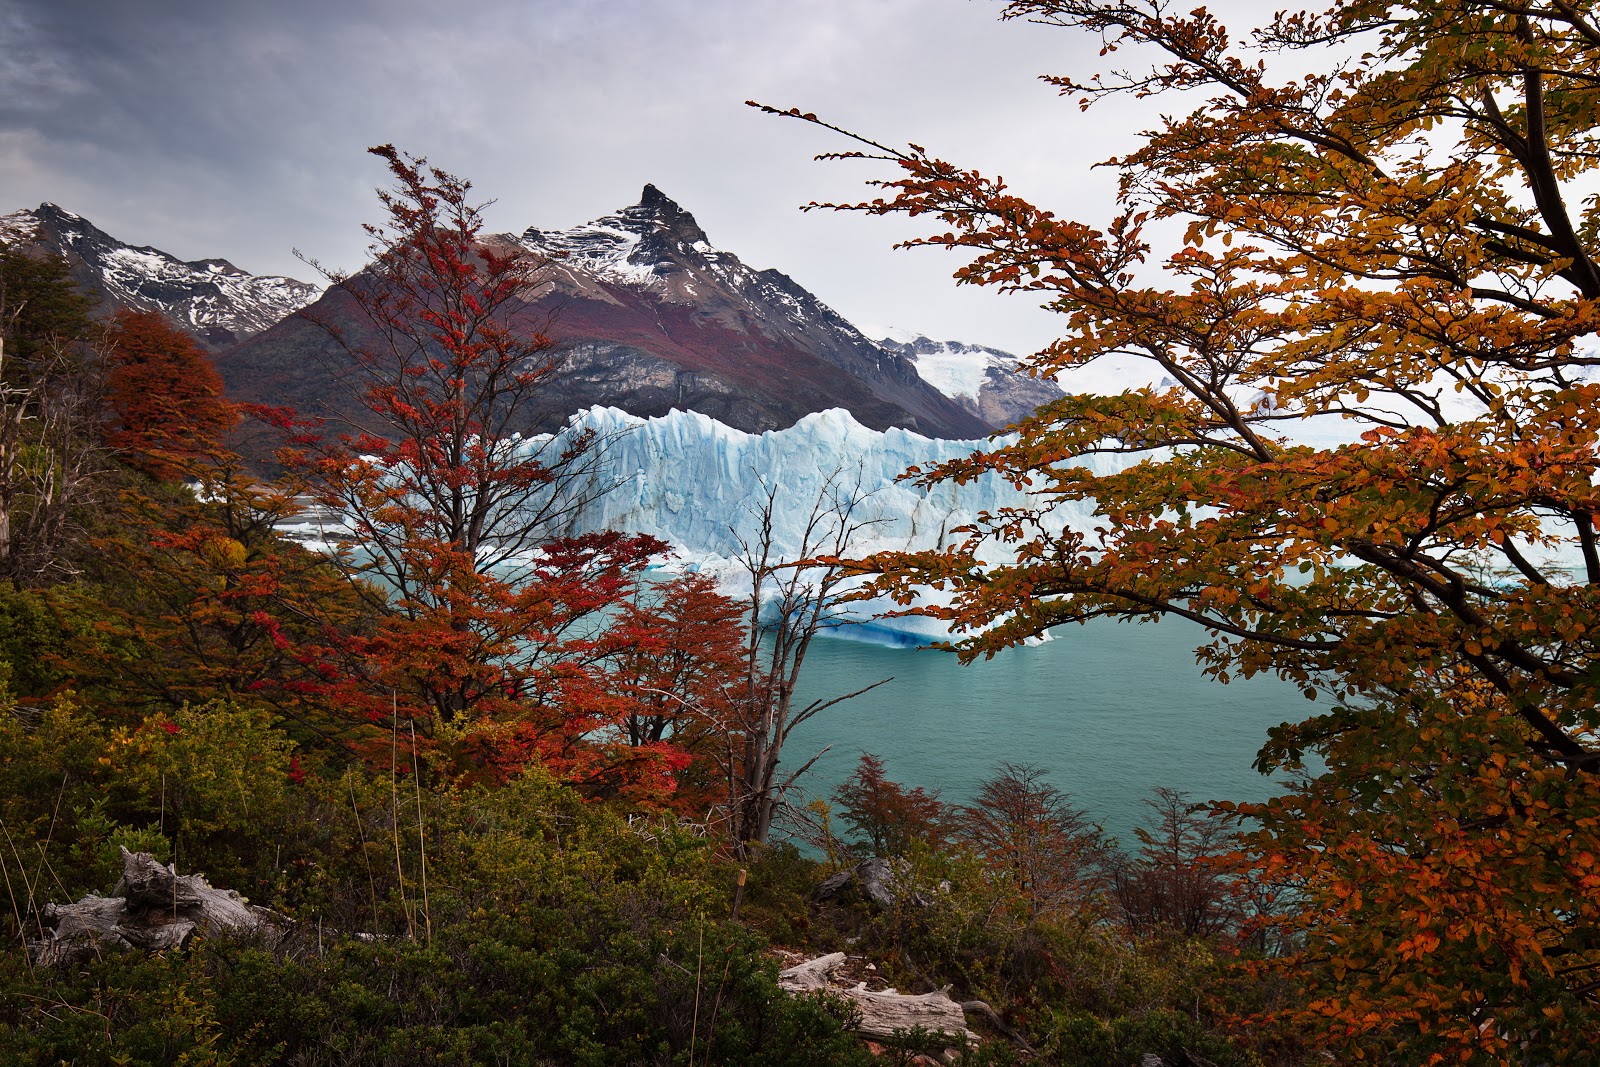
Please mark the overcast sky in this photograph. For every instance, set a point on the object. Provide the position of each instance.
(228, 129)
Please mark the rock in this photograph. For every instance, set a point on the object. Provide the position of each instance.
(152, 909)
(873, 879)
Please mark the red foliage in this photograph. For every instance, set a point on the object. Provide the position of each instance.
(493, 630)
(163, 396)
(889, 816)
(677, 660)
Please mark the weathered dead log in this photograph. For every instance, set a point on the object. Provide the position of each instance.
(151, 909)
(885, 1013)
(982, 1008)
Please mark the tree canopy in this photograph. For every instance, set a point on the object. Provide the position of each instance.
(1362, 263)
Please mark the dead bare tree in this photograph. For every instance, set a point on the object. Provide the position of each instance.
(790, 602)
(52, 459)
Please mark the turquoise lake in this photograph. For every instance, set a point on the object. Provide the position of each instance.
(1111, 710)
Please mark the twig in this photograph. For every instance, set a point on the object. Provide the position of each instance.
(22, 933)
(38, 872)
(394, 808)
(422, 844)
(699, 963)
(23, 872)
(372, 881)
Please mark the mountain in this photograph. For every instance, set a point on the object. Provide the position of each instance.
(211, 298)
(655, 268)
(650, 317)
(983, 380)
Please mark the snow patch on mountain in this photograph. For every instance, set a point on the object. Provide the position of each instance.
(635, 247)
(208, 294)
(19, 226)
(985, 380)
(953, 368)
(602, 247)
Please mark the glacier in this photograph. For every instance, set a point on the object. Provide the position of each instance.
(698, 485)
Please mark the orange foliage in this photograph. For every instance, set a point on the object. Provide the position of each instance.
(1399, 245)
(163, 396)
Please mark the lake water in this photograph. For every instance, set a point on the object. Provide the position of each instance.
(1111, 710)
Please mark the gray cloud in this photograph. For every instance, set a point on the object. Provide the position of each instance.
(238, 129)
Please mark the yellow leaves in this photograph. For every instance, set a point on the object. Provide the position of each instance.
(224, 553)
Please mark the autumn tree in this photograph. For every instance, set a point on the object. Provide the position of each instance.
(450, 516)
(1031, 834)
(192, 597)
(1175, 882)
(887, 817)
(164, 400)
(1373, 222)
(675, 660)
(678, 648)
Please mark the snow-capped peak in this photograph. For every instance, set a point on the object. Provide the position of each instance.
(984, 380)
(212, 297)
(652, 266)
(952, 367)
(632, 246)
(19, 226)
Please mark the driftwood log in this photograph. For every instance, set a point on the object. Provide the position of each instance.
(152, 908)
(884, 1013)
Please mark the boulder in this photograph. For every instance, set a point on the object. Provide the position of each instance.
(874, 879)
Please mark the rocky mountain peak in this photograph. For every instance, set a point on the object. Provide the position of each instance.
(665, 214)
(631, 246)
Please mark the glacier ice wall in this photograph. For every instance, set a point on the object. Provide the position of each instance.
(698, 485)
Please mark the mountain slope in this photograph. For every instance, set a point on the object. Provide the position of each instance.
(211, 298)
